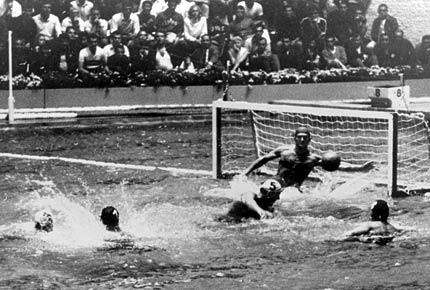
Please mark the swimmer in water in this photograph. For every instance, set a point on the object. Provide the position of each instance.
(255, 205)
(378, 230)
(43, 221)
(110, 218)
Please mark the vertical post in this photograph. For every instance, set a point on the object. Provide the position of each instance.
(216, 141)
(11, 99)
(392, 154)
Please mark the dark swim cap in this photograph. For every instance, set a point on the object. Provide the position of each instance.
(110, 218)
(380, 211)
(302, 130)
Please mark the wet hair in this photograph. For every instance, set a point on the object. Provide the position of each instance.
(110, 218)
(380, 211)
(303, 130)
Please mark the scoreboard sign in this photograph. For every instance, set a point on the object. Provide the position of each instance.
(397, 97)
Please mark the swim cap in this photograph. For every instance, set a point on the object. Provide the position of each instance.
(302, 130)
(110, 218)
(270, 185)
(43, 221)
(380, 211)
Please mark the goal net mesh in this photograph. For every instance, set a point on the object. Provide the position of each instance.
(248, 134)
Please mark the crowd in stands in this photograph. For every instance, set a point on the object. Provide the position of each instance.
(87, 37)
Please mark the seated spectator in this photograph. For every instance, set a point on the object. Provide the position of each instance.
(73, 20)
(286, 23)
(238, 54)
(24, 27)
(116, 40)
(195, 26)
(162, 58)
(204, 7)
(382, 52)
(223, 10)
(158, 6)
(252, 42)
(44, 61)
(311, 58)
(358, 23)
(339, 22)
(263, 59)
(118, 62)
(11, 9)
(241, 25)
(106, 7)
(170, 23)
(187, 65)
(219, 32)
(142, 39)
(358, 53)
(68, 49)
(284, 50)
(313, 28)
(96, 25)
(383, 24)
(363, 5)
(271, 9)
(423, 52)
(207, 55)
(253, 10)
(91, 58)
(84, 8)
(143, 60)
(126, 23)
(38, 42)
(334, 55)
(22, 57)
(184, 6)
(146, 19)
(47, 23)
(403, 52)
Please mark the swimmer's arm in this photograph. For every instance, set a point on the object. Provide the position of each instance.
(348, 167)
(276, 153)
(248, 199)
(361, 230)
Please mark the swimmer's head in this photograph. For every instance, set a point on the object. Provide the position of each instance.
(110, 218)
(43, 221)
(270, 188)
(302, 137)
(380, 211)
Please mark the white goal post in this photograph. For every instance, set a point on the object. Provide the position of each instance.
(396, 143)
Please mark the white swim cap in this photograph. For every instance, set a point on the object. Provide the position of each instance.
(271, 185)
(43, 220)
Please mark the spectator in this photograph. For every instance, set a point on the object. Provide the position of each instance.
(84, 8)
(24, 27)
(12, 9)
(358, 23)
(383, 24)
(187, 65)
(45, 60)
(143, 60)
(116, 40)
(22, 56)
(286, 23)
(142, 39)
(195, 26)
(118, 62)
(311, 58)
(222, 10)
(170, 23)
(204, 7)
(91, 58)
(358, 53)
(238, 54)
(158, 6)
(382, 52)
(339, 22)
(125, 22)
(334, 55)
(162, 58)
(47, 23)
(184, 7)
(96, 25)
(313, 28)
(106, 8)
(146, 19)
(68, 49)
(252, 43)
(207, 55)
(403, 52)
(284, 50)
(263, 59)
(241, 25)
(423, 52)
(73, 20)
(219, 32)
(253, 10)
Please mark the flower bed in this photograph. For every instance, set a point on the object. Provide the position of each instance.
(210, 77)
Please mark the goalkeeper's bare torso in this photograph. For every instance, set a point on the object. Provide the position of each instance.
(294, 168)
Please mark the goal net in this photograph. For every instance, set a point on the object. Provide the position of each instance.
(396, 143)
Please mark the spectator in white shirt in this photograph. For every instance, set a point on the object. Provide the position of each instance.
(253, 9)
(73, 20)
(158, 6)
(91, 58)
(195, 26)
(84, 7)
(47, 23)
(184, 7)
(116, 40)
(125, 22)
(10, 7)
(96, 24)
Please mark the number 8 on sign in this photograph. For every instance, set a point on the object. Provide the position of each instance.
(377, 93)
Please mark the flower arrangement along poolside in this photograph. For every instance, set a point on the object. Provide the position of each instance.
(175, 78)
